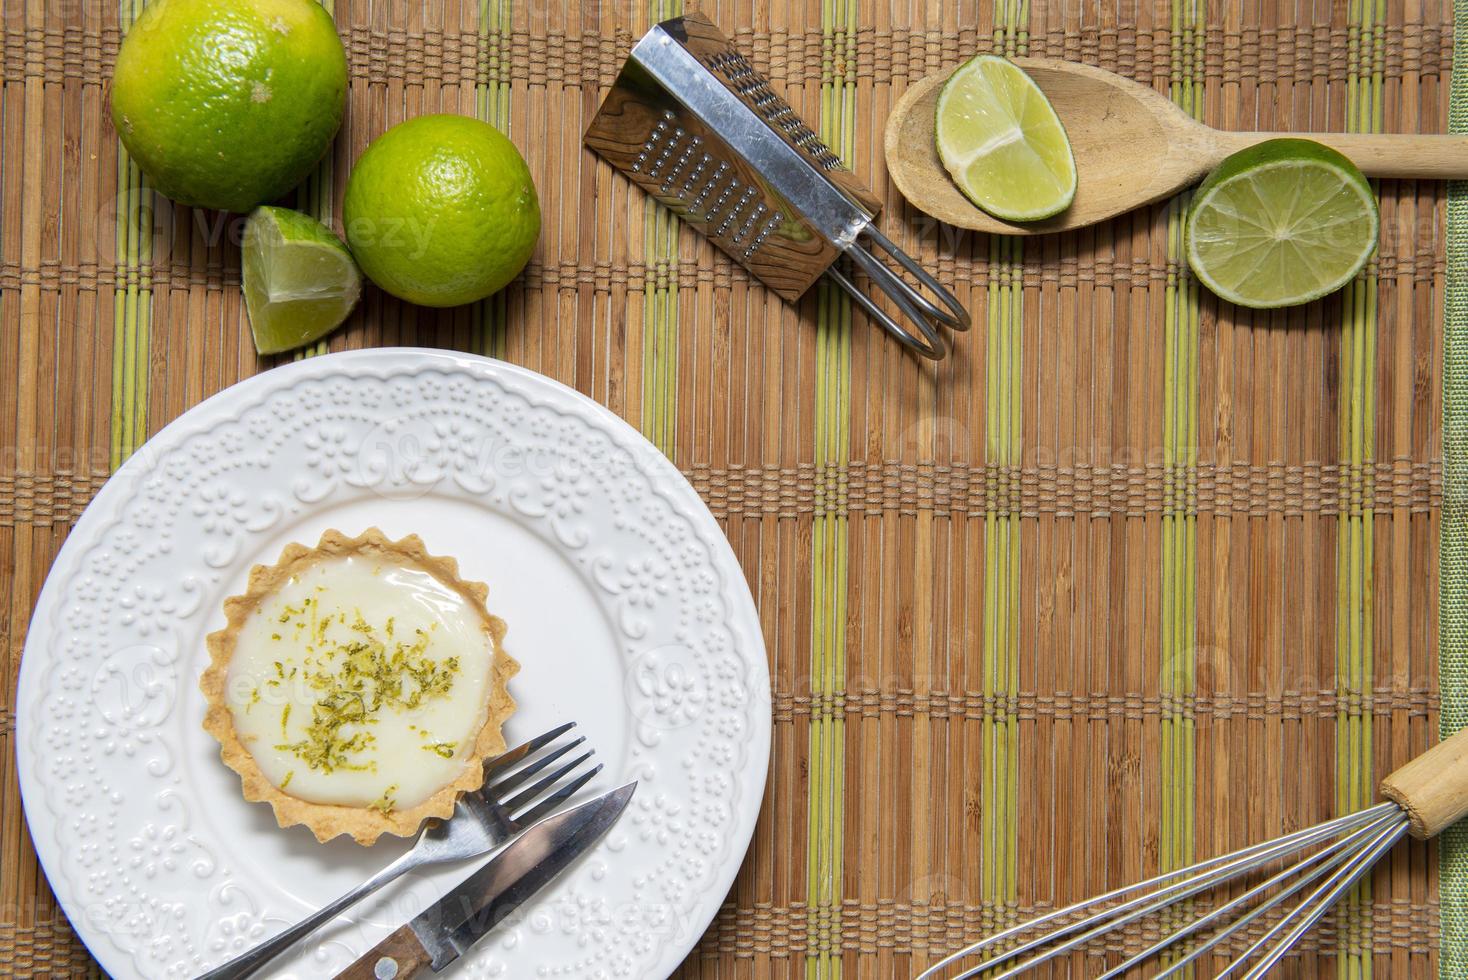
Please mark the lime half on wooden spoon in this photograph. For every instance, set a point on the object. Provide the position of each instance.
(1002, 142)
(1283, 222)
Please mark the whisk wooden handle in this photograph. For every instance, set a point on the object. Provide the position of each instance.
(1433, 788)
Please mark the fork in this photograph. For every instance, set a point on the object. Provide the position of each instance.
(482, 820)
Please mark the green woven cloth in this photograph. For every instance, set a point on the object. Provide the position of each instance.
(1453, 544)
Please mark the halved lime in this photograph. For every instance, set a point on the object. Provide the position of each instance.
(300, 281)
(1282, 222)
(1002, 142)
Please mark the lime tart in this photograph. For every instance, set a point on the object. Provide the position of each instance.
(358, 686)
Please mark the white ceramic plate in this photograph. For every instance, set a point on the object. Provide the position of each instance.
(626, 608)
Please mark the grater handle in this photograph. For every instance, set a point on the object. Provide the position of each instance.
(918, 308)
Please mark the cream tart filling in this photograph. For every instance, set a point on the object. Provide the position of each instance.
(358, 686)
(361, 682)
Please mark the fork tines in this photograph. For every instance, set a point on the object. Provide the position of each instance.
(502, 775)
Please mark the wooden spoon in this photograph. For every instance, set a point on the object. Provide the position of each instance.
(1132, 147)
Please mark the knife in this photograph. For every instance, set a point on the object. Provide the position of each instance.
(445, 930)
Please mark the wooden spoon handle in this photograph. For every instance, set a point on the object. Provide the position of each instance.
(1383, 154)
(1433, 788)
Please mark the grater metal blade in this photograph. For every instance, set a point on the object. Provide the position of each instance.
(692, 122)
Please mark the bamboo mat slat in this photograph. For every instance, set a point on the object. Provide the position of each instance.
(1132, 578)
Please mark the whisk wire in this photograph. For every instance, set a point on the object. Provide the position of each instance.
(1318, 865)
(1138, 909)
(1318, 902)
(1166, 888)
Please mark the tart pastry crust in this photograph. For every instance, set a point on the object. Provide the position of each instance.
(365, 824)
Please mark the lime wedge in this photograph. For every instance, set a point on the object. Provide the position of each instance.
(1002, 142)
(1283, 222)
(300, 281)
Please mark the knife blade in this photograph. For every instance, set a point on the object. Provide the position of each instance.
(447, 929)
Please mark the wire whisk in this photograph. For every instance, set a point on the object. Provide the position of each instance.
(1303, 875)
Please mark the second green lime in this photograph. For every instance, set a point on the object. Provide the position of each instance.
(441, 211)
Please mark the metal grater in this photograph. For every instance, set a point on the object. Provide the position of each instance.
(692, 122)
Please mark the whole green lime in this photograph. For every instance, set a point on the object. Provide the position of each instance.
(229, 103)
(441, 210)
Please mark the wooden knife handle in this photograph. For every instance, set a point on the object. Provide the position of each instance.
(398, 957)
(1433, 788)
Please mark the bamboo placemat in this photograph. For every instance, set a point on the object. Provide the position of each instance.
(1133, 577)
